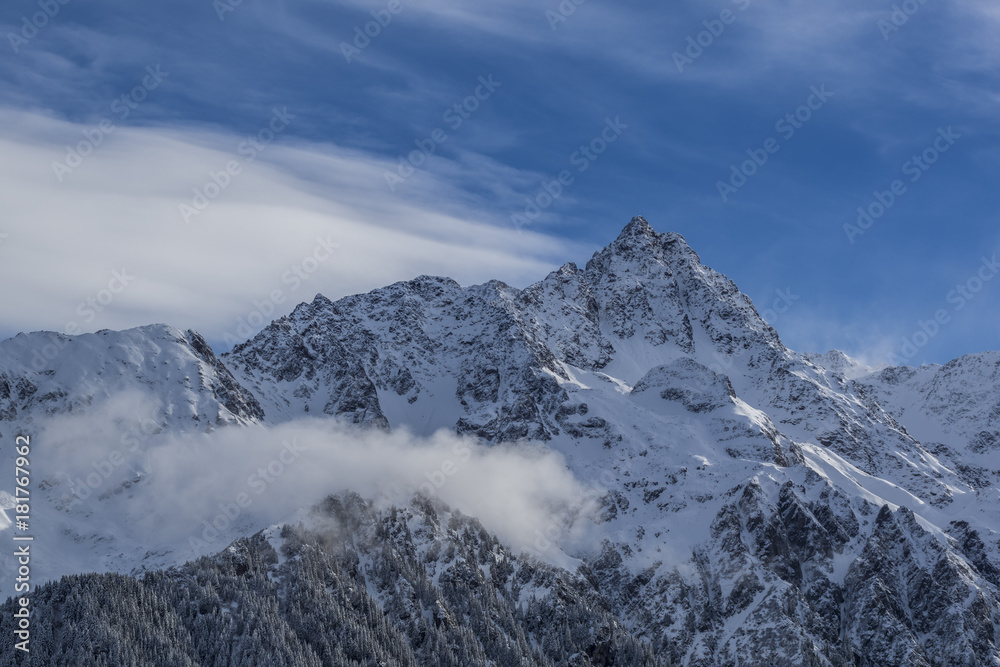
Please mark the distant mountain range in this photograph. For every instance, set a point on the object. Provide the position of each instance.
(758, 506)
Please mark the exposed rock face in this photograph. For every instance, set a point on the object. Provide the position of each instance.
(762, 507)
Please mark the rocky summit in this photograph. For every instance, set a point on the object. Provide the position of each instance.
(756, 505)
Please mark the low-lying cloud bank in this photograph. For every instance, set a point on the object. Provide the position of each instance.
(158, 499)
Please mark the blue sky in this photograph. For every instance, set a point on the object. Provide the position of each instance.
(213, 77)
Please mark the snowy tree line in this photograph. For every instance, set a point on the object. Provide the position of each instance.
(359, 587)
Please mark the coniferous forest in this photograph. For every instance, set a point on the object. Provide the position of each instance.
(358, 587)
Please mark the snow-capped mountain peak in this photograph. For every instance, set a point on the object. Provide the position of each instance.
(755, 501)
(46, 373)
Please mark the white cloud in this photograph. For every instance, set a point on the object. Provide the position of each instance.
(197, 493)
(120, 210)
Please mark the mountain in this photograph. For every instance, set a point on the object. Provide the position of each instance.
(44, 374)
(954, 408)
(757, 505)
(420, 586)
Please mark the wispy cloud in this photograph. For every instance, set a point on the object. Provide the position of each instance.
(354, 120)
(122, 208)
(156, 500)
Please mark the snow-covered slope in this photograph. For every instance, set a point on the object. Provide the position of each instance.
(837, 362)
(955, 407)
(98, 405)
(758, 504)
(44, 374)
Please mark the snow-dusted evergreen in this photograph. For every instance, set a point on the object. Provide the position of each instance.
(418, 586)
(760, 507)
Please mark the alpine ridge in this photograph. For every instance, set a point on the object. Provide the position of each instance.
(758, 506)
